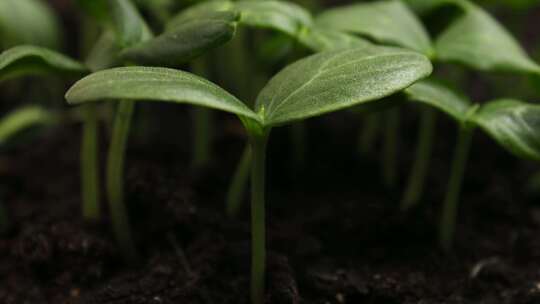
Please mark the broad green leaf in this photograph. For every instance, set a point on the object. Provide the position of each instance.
(514, 124)
(199, 10)
(320, 39)
(22, 119)
(282, 16)
(384, 21)
(439, 96)
(33, 60)
(28, 22)
(129, 26)
(477, 40)
(186, 41)
(155, 84)
(335, 80)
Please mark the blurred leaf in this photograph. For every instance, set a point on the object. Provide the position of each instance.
(335, 80)
(384, 21)
(22, 119)
(105, 53)
(185, 41)
(479, 41)
(28, 22)
(514, 124)
(129, 26)
(33, 60)
(441, 97)
(155, 84)
(320, 39)
(196, 11)
(282, 16)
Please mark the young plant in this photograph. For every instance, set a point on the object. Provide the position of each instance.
(511, 123)
(469, 40)
(318, 84)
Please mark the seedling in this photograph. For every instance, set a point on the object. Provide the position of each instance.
(511, 123)
(318, 84)
(468, 40)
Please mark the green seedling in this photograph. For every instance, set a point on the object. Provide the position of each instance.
(319, 84)
(469, 40)
(511, 123)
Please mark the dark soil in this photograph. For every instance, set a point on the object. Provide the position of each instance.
(335, 234)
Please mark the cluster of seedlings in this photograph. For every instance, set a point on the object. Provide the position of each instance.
(363, 53)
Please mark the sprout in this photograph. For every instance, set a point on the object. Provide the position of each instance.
(511, 123)
(318, 84)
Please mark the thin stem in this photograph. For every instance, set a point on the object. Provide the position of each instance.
(202, 123)
(89, 164)
(258, 225)
(368, 135)
(417, 177)
(238, 185)
(448, 220)
(298, 132)
(389, 164)
(115, 179)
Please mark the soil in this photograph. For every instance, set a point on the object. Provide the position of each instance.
(335, 234)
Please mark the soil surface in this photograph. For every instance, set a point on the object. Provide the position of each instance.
(335, 234)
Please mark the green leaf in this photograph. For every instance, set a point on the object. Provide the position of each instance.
(282, 16)
(384, 21)
(514, 124)
(129, 26)
(22, 119)
(320, 39)
(199, 10)
(441, 97)
(335, 80)
(105, 53)
(186, 41)
(423, 6)
(28, 22)
(155, 84)
(32, 60)
(479, 41)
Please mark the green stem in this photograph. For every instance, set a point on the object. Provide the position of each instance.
(448, 220)
(389, 165)
(238, 184)
(89, 164)
(367, 137)
(115, 179)
(202, 123)
(298, 132)
(258, 225)
(417, 177)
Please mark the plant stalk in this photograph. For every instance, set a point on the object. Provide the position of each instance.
(258, 225)
(89, 164)
(389, 165)
(238, 185)
(115, 179)
(417, 177)
(448, 220)
(368, 134)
